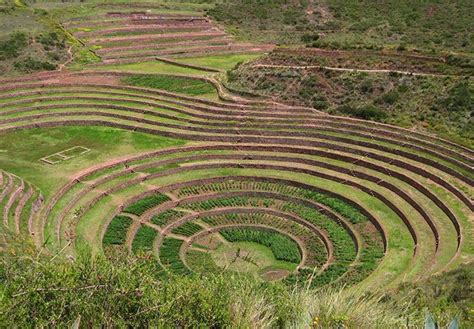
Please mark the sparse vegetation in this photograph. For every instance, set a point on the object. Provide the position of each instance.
(438, 104)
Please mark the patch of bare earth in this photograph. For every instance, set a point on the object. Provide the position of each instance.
(274, 275)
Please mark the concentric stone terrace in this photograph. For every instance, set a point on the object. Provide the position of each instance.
(139, 36)
(330, 199)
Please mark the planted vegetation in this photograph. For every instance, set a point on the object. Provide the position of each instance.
(169, 256)
(117, 230)
(174, 84)
(282, 247)
(144, 239)
(164, 218)
(142, 205)
(187, 229)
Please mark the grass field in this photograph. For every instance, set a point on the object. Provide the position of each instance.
(254, 258)
(22, 151)
(223, 62)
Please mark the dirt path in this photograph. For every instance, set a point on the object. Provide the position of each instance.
(344, 69)
(69, 60)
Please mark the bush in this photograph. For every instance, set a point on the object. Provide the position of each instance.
(12, 47)
(366, 112)
(309, 38)
(391, 97)
(460, 98)
(367, 86)
(29, 65)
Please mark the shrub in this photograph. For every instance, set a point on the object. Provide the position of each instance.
(50, 40)
(367, 86)
(366, 112)
(309, 38)
(29, 65)
(391, 97)
(12, 47)
(460, 98)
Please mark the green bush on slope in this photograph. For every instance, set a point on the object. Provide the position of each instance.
(131, 292)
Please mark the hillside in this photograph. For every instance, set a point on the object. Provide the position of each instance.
(236, 164)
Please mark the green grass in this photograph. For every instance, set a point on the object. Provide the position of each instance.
(117, 230)
(139, 207)
(223, 62)
(282, 247)
(155, 67)
(183, 85)
(21, 151)
(248, 257)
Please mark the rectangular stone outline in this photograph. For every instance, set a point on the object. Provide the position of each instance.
(63, 156)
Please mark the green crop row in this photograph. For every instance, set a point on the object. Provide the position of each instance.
(169, 256)
(337, 205)
(144, 239)
(164, 218)
(117, 230)
(139, 207)
(230, 202)
(187, 229)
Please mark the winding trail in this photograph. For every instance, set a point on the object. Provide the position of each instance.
(343, 69)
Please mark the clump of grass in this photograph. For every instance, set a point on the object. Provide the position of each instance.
(338, 308)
